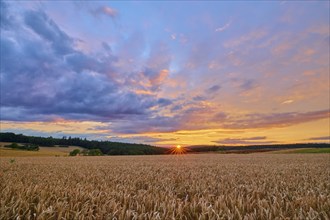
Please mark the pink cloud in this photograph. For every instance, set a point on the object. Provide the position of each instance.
(106, 10)
(253, 35)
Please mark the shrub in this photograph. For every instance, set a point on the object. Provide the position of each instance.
(74, 152)
(29, 147)
(94, 152)
(13, 145)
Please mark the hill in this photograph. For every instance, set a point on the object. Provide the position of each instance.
(43, 151)
(305, 151)
(256, 148)
(106, 147)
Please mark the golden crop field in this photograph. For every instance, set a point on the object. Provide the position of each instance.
(43, 151)
(203, 186)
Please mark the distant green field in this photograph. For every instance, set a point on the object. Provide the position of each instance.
(306, 151)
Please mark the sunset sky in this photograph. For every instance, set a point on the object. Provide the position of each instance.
(165, 73)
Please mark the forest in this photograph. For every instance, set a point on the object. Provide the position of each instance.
(106, 147)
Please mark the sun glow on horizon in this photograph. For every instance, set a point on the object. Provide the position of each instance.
(178, 149)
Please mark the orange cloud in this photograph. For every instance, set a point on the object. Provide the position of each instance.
(289, 101)
(157, 79)
(254, 35)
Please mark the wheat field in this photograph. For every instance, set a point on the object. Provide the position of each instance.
(205, 186)
(43, 151)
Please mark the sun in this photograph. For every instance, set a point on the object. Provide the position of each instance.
(178, 149)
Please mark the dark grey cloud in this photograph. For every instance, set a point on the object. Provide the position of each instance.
(256, 138)
(176, 108)
(46, 28)
(248, 84)
(79, 62)
(5, 17)
(323, 138)
(164, 102)
(44, 76)
(199, 98)
(221, 116)
(213, 89)
(107, 47)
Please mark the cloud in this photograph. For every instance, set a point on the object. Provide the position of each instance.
(132, 48)
(256, 138)
(275, 120)
(59, 80)
(159, 56)
(46, 28)
(134, 80)
(57, 128)
(249, 37)
(213, 89)
(156, 78)
(247, 85)
(164, 102)
(289, 101)
(140, 139)
(199, 98)
(143, 124)
(245, 141)
(223, 28)
(173, 36)
(107, 47)
(107, 11)
(176, 108)
(5, 18)
(221, 116)
(202, 117)
(323, 138)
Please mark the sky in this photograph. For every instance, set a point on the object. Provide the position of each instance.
(167, 72)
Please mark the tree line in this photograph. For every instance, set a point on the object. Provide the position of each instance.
(106, 147)
(29, 147)
(252, 148)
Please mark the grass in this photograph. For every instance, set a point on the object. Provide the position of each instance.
(305, 151)
(196, 186)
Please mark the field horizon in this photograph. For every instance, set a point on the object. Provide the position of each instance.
(49, 146)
